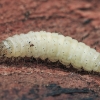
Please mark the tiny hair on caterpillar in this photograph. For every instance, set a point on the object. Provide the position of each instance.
(53, 46)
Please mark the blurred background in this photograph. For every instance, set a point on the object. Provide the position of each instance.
(79, 19)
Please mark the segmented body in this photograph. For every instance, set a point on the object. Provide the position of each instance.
(52, 46)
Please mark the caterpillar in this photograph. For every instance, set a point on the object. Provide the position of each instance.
(53, 46)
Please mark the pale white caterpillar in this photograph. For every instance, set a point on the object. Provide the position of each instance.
(52, 46)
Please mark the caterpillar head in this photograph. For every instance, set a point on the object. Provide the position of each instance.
(5, 49)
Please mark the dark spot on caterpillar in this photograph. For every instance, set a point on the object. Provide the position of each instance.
(31, 45)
